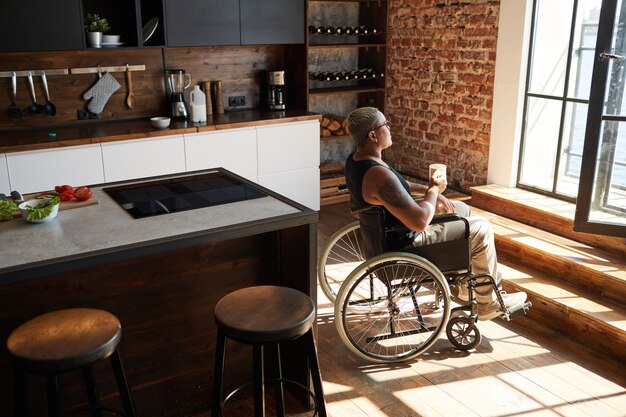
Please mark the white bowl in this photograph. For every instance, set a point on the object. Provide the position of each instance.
(160, 122)
(38, 202)
(110, 38)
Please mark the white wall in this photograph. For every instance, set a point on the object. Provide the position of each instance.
(511, 63)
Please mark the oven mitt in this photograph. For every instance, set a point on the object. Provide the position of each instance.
(100, 92)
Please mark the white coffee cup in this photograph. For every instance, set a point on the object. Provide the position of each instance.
(436, 167)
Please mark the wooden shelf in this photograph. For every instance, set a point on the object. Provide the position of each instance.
(347, 45)
(346, 90)
(334, 137)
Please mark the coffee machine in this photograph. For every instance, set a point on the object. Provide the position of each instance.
(276, 99)
(176, 81)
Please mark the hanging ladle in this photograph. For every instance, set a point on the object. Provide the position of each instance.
(34, 107)
(49, 107)
(14, 111)
(130, 99)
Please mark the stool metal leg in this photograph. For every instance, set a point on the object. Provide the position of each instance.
(280, 396)
(92, 393)
(18, 394)
(122, 385)
(315, 375)
(53, 396)
(259, 381)
(218, 375)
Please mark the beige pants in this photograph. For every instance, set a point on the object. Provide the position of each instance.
(484, 259)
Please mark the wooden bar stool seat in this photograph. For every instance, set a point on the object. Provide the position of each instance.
(261, 316)
(64, 341)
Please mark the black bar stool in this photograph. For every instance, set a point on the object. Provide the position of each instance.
(260, 316)
(63, 341)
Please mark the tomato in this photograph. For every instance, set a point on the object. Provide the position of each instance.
(83, 193)
(66, 195)
(62, 188)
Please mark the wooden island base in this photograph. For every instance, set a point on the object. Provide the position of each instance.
(165, 303)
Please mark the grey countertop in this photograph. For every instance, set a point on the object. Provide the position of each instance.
(106, 230)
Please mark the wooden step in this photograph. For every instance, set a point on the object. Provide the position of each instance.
(542, 212)
(582, 316)
(594, 270)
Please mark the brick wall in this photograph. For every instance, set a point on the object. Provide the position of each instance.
(441, 63)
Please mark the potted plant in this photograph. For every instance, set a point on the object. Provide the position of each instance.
(95, 26)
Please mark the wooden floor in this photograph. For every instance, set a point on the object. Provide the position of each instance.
(513, 372)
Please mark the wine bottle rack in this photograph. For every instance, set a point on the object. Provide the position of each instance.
(344, 31)
(346, 75)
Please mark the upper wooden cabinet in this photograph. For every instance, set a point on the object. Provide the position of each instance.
(41, 25)
(272, 22)
(232, 22)
(202, 22)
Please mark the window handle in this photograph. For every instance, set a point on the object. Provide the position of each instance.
(604, 56)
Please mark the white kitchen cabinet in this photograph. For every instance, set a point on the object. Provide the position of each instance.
(140, 158)
(301, 185)
(35, 171)
(289, 158)
(288, 146)
(233, 149)
(5, 185)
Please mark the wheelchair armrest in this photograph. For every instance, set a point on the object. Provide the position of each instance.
(451, 217)
(445, 217)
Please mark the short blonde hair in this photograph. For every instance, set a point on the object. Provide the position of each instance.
(361, 121)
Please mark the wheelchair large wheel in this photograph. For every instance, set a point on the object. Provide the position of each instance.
(392, 307)
(463, 333)
(339, 257)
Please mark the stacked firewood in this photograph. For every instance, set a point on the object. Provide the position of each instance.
(333, 125)
(333, 184)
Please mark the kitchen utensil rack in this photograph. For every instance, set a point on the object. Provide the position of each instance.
(115, 68)
(24, 73)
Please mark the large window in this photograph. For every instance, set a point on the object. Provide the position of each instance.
(561, 57)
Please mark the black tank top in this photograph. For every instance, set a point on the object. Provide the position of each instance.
(355, 171)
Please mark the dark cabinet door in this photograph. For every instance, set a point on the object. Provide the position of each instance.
(202, 22)
(41, 25)
(272, 21)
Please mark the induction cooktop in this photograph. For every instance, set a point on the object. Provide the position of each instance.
(172, 195)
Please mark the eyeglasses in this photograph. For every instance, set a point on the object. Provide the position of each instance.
(379, 126)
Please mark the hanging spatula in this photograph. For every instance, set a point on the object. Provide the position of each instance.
(14, 111)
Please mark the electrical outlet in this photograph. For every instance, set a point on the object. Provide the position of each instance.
(236, 101)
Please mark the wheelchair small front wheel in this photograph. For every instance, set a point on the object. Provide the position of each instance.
(463, 333)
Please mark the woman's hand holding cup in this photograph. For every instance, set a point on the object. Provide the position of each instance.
(437, 176)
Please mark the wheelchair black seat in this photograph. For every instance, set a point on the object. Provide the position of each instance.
(381, 235)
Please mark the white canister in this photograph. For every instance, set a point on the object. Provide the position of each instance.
(198, 105)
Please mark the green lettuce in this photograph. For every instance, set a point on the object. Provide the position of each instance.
(42, 211)
(7, 209)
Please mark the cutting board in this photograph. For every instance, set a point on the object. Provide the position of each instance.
(65, 205)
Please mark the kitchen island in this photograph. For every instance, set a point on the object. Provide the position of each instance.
(161, 276)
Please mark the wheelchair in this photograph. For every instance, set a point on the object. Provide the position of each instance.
(392, 304)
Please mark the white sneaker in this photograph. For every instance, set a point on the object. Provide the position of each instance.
(513, 299)
(493, 309)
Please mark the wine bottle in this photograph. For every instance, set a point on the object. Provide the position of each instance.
(339, 30)
(312, 30)
(364, 30)
(347, 30)
(337, 75)
(356, 30)
(330, 30)
(312, 75)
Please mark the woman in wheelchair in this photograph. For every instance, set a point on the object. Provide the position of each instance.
(372, 182)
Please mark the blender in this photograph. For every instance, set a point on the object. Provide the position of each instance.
(176, 81)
